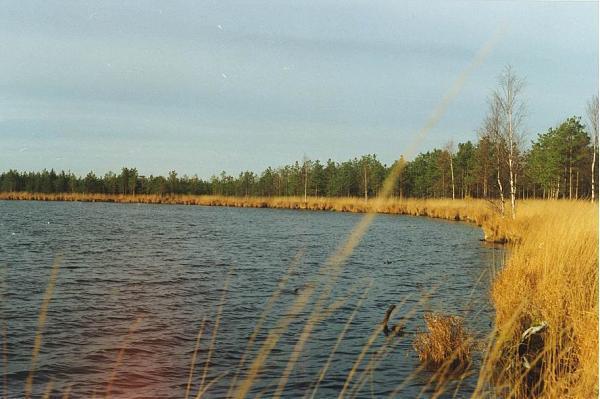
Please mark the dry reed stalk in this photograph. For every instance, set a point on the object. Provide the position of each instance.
(215, 329)
(272, 339)
(444, 374)
(367, 373)
(67, 392)
(441, 378)
(48, 390)
(325, 367)
(384, 350)
(376, 360)
(325, 313)
(403, 384)
(333, 265)
(41, 323)
(193, 363)
(214, 381)
(120, 356)
(520, 382)
(378, 330)
(455, 394)
(266, 311)
(493, 352)
(331, 309)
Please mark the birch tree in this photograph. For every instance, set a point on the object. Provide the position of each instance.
(512, 111)
(450, 150)
(592, 111)
(492, 132)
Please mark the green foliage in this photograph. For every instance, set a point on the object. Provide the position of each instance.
(557, 156)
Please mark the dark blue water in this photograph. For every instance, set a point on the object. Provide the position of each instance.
(166, 265)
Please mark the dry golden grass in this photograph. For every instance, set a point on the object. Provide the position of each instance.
(551, 276)
(447, 341)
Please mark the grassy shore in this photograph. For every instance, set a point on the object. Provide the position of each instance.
(551, 276)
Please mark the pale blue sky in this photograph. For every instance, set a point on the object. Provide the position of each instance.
(205, 86)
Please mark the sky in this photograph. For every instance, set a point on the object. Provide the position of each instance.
(205, 86)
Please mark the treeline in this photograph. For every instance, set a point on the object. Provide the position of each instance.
(557, 165)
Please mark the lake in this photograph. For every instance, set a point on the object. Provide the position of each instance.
(165, 266)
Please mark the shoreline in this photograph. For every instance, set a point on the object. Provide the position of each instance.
(472, 211)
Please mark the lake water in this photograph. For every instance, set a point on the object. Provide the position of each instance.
(165, 266)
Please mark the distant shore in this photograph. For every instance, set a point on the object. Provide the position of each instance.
(474, 211)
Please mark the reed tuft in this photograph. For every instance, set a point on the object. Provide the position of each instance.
(447, 343)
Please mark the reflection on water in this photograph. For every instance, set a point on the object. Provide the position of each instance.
(166, 265)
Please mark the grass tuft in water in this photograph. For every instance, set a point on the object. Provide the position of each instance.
(447, 342)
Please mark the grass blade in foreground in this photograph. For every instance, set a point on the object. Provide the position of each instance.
(41, 323)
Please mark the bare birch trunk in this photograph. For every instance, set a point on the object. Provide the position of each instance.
(592, 111)
(366, 189)
(593, 174)
(513, 190)
(511, 157)
(577, 186)
(452, 175)
(500, 189)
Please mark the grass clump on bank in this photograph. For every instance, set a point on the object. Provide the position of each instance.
(446, 345)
